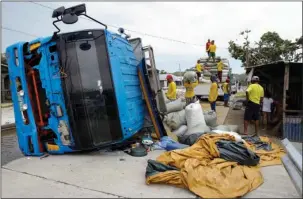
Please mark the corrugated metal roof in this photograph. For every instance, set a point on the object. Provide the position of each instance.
(272, 63)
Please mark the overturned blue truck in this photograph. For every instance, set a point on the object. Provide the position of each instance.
(80, 90)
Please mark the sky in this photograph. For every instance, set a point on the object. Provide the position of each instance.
(190, 22)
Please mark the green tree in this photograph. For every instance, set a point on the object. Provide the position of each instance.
(271, 47)
(163, 72)
(178, 73)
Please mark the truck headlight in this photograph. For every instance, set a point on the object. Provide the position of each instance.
(24, 107)
(21, 93)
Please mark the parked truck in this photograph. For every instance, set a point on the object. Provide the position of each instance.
(202, 90)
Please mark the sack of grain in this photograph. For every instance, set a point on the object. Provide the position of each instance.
(190, 76)
(174, 106)
(175, 120)
(210, 118)
(180, 131)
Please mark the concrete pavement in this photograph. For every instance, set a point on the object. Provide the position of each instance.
(111, 175)
(99, 174)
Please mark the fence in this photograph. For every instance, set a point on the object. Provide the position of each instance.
(293, 128)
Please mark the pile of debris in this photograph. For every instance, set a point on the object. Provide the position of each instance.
(198, 150)
(188, 123)
(216, 166)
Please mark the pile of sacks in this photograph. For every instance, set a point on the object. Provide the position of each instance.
(212, 67)
(181, 94)
(188, 123)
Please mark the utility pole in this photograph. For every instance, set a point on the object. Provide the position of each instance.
(180, 73)
(247, 45)
(179, 69)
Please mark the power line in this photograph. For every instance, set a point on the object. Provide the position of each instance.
(42, 5)
(135, 31)
(19, 31)
(146, 34)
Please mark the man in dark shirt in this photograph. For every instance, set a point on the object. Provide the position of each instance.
(207, 46)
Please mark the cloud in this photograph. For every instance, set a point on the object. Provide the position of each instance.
(193, 22)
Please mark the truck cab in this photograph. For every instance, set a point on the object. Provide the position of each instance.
(79, 90)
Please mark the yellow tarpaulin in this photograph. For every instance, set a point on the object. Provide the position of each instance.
(202, 171)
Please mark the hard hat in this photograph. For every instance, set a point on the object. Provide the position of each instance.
(169, 77)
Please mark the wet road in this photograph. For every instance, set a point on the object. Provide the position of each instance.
(9, 147)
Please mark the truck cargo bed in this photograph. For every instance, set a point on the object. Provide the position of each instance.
(202, 90)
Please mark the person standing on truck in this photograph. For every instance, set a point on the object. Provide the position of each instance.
(172, 88)
(254, 96)
(212, 50)
(208, 43)
(213, 93)
(226, 91)
(220, 67)
(199, 69)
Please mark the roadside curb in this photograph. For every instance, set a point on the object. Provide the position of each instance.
(8, 129)
(6, 105)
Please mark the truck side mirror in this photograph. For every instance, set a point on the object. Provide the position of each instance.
(69, 18)
(58, 12)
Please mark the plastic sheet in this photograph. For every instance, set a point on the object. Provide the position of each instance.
(169, 144)
(237, 152)
(190, 139)
(256, 141)
(200, 169)
(237, 137)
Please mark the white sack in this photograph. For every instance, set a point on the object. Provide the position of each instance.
(234, 128)
(200, 128)
(176, 119)
(194, 115)
(174, 106)
(222, 128)
(190, 76)
(165, 98)
(180, 131)
(210, 118)
(195, 119)
(238, 138)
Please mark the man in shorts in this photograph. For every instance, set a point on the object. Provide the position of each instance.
(254, 96)
(212, 50)
(213, 93)
(226, 91)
